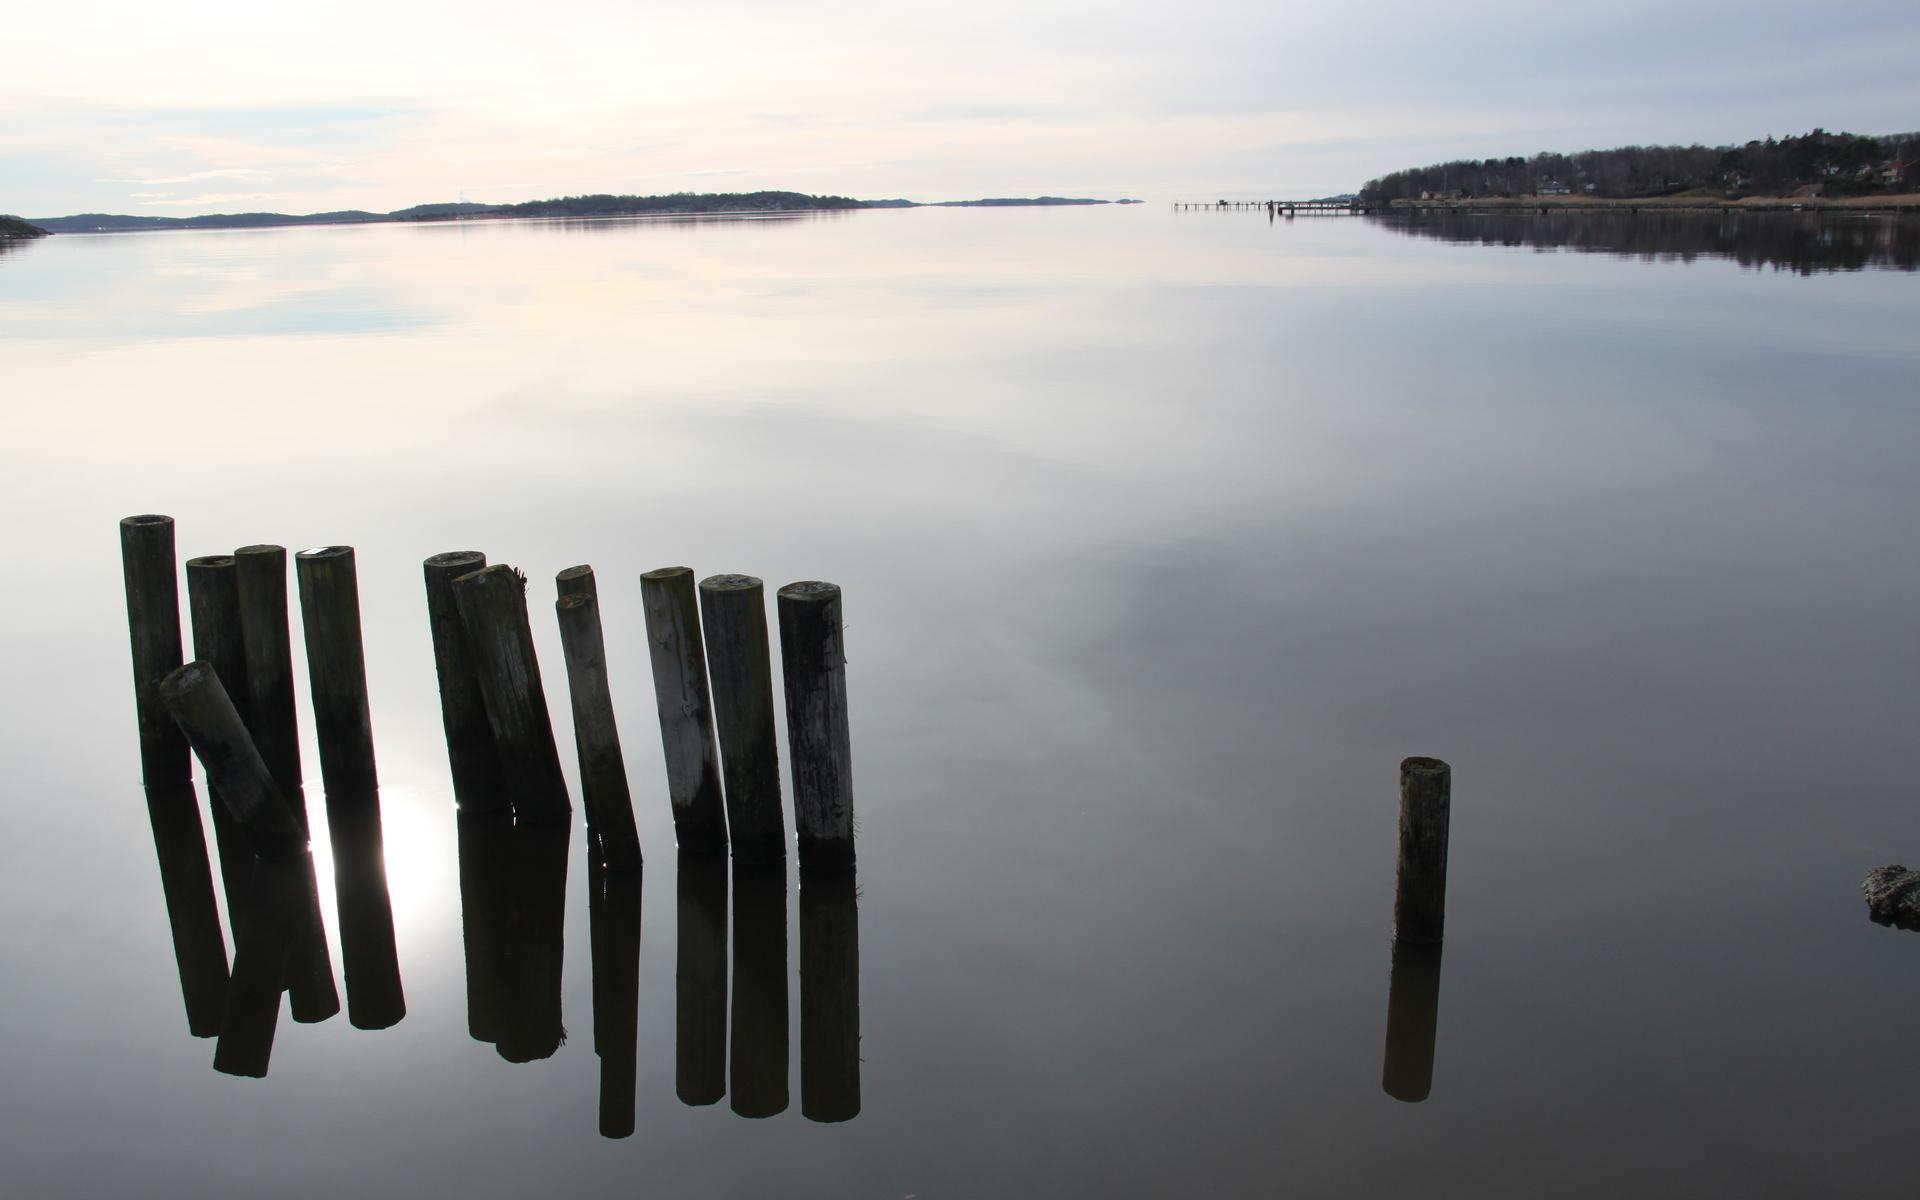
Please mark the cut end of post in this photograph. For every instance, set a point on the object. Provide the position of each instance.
(322, 553)
(457, 558)
(260, 549)
(730, 583)
(1419, 767)
(659, 573)
(574, 579)
(210, 562)
(497, 573)
(183, 679)
(573, 600)
(144, 519)
(810, 591)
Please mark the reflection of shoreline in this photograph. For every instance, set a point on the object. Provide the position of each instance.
(1801, 242)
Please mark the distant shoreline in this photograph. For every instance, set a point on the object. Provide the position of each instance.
(1906, 201)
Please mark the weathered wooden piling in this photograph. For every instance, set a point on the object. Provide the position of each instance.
(814, 661)
(337, 672)
(235, 771)
(186, 880)
(213, 607)
(261, 575)
(829, 997)
(375, 999)
(463, 711)
(613, 916)
(603, 770)
(493, 608)
(1413, 1020)
(574, 581)
(758, 1070)
(1420, 893)
(733, 613)
(700, 980)
(153, 625)
(686, 714)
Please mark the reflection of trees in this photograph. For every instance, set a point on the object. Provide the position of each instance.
(1804, 243)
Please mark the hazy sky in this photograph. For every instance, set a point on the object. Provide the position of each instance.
(213, 106)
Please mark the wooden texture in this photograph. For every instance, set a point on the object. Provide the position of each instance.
(337, 672)
(1420, 893)
(477, 783)
(733, 615)
(153, 627)
(235, 770)
(261, 576)
(493, 608)
(686, 713)
(603, 770)
(576, 581)
(814, 663)
(829, 996)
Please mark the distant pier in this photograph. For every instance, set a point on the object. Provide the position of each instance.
(1285, 208)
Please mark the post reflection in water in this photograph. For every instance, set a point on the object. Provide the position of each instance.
(1413, 1021)
(700, 980)
(613, 914)
(758, 1075)
(268, 943)
(513, 897)
(829, 997)
(368, 958)
(186, 880)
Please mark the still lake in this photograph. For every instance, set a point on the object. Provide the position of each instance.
(1164, 538)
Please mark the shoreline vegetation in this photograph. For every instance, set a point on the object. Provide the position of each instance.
(13, 229)
(582, 207)
(1902, 201)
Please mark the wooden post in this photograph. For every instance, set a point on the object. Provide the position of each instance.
(235, 771)
(463, 712)
(213, 604)
(576, 581)
(337, 671)
(758, 1071)
(829, 997)
(613, 916)
(700, 981)
(686, 715)
(261, 572)
(1413, 1019)
(814, 661)
(493, 607)
(733, 612)
(603, 771)
(367, 956)
(199, 948)
(1420, 894)
(153, 624)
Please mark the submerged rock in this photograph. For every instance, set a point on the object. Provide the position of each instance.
(1893, 896)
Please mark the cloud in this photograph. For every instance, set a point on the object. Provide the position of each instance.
(220, 173)
(203, 200)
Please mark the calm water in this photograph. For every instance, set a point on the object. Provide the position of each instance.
(1164, 538)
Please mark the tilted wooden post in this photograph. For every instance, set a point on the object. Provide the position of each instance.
(686, 714)
(463, 712)
(337, 671)
(195, 697)
(733, 612)
(493, 607)
(261, 573)
(153, 626)
(814, 661)
(1420, 894)
(603, 770)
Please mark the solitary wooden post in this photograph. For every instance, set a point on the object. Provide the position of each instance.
(576, 581)
(700, 981)
(733, 611)
(337, 671)
(199, 703)
(758, 1071)
(261, 573)
(813, 656)
(1420, 895)
(463, 713)
(603, 771)
(829, 997)
(686, 714)
(153, 624)
(493, 607)
(1413, 1020)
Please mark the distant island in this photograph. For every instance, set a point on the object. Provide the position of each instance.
(599, 205)
(13, 229)
(1817, 166)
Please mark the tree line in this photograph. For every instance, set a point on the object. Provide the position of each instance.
(1842, 164)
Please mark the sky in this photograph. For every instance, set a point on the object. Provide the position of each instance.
(178, 109)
